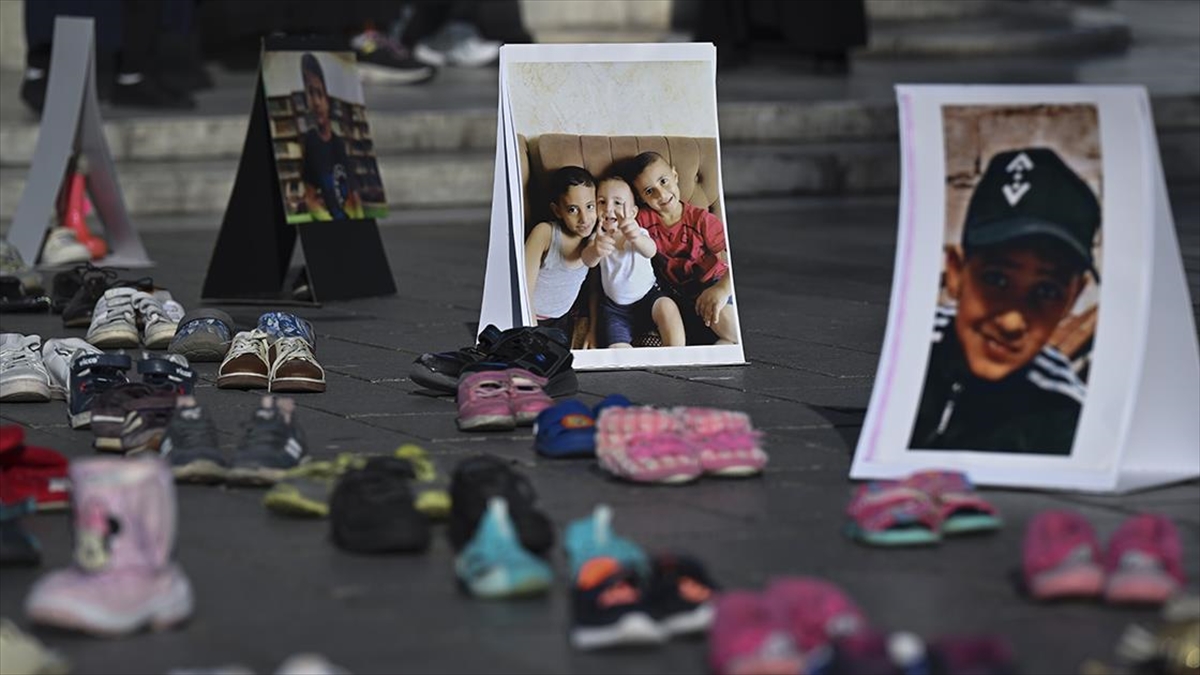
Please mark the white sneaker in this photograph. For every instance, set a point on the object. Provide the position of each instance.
(23, 376)
(58, 354)
(63, 248)
(114, 320)
(457, 44)
(158, 322)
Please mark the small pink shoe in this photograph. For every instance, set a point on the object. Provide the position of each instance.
(814, 611)
(643, 444)
(1144, 561)
(726, 442)
(527, 395)
(483, 402)
(1062, 557)
(748, 638)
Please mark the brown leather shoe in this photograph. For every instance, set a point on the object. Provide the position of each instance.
(294, 368)
(248, 363)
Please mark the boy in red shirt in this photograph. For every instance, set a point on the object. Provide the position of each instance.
(692, 261)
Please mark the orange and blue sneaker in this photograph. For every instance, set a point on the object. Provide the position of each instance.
(609, 607)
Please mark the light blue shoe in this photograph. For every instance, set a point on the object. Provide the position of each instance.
(285, 324)
(493, 564)
(593, 537)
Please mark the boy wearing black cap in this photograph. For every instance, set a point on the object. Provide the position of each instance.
(993, 384)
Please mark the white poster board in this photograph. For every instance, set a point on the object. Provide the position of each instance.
(601, 108)
(965, 342)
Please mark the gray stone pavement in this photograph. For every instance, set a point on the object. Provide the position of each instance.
(813, 282)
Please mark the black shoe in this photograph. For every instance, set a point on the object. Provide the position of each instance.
(14, 299)
(440, 370)
(91, 376)
(542, 351)
(89, 283)
(148, 92)
(371, 509)
(33, 89)
(110, 408)
(680, 595)
(381, 61)
(609, 608)
(476, 480)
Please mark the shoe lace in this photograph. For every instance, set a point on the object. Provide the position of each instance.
(22, 357)
(290, 348)
(252, 343)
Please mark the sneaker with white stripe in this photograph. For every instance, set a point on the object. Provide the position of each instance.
(273, 444)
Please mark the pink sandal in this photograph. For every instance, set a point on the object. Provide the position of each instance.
(727, 443)
(960, 508)
(643, 445)
(890, 513)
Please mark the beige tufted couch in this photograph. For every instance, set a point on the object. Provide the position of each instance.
(694, 158)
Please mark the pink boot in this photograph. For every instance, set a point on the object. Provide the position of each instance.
(123, 577)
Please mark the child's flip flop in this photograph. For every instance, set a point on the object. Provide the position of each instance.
(890, 513)
(961, 508)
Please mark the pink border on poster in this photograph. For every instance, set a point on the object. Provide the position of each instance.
(906, 233)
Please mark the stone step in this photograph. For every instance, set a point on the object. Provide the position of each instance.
(180, 139)
(463, 178)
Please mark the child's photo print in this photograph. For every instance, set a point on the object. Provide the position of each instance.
(1011, 339)
(626, 248)
(324, 154)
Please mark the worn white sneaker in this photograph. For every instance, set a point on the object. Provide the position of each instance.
(23, 376)
(62, 247)
(457, 44)
(114, 320)
(159, 322)
(58, 354)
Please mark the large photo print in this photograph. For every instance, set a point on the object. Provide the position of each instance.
(1011, 340)
(621, 214)
(324, 153)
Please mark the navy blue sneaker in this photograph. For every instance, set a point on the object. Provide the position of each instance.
(273, 444)
(91, 376)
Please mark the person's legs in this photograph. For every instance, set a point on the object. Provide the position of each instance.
(727, 327)
(137, 82)
(616, 325)
(39, 34)
(665, 314)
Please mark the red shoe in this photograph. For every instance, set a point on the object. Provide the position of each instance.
(1144, 561)
(1062, 557)
(30, 471)
(73, 212)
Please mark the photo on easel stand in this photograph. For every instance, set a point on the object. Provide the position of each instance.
(1039, 331)
(324, 153)
(615, 205)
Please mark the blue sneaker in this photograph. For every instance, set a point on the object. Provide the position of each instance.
(565, 430)
(91, 376)
(285, 324)
(493, 565)
(592, 537)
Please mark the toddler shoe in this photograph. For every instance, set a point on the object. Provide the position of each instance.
(247, 365)
(114, 319)
(294, 368)
(189, 445)
(814, 611)
(749, 638)
(371, 509)
(592, 537)
(273, 444)
(1144, 562)
(91, 376)
(29, 472)
(565, 430)
(609, 607)
(526, 395)
(961, 510)
(170, 374)
(1061, 557)
(475, 481)
(277, 325)
(680, 595)
(726, 442)
(158, 318)
(493, 564)
(644, 445)
(483, 401)
(889, 513)
(58, 354)
(203, 335)
(23, 375)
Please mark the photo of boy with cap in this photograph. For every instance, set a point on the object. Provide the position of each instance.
(993, 381)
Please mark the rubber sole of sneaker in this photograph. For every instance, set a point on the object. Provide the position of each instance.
(1079, 580)
(685, 623)
(487, 423)
(496, 584)
(81, 420)
(202, 471)
(160, 338)
(201, 348)
(254, 477)
(297, 385)
(294, 504)
(24, 391)
(114, 338)
(434, 380)
(632, 629)
(108, 444)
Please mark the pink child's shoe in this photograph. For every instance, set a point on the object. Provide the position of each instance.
(814, 611)
(748, 638)
(1144, 561)
(527, 395)
(483, 401)
(726, 443)
(1061, 557)
(644, 445)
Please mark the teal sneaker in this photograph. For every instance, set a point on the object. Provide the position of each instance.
(593, 537)
(493, 564)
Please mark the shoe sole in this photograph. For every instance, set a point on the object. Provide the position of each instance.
(81, 420)
(297, 385)
(373, 74)
(487, 423)
(1081, 580)
(201, 471)
(290, 505)
(24, 391)
(160, 339)
(114, 339)
(434, 380)
(166, 613)
(201, 348)
(242, 381)
(696, 621)
(257, 477)
(631, 629)
(108, 444)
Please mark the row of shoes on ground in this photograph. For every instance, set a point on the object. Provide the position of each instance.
(206, 334)
(644, 444)
(278, 355)
(544, 352)
(125, 315)
(806, 625)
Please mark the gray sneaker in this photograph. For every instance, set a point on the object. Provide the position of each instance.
(12, 265)
(190, 445)
(23, 376)
(57, 355)
(273, 444)
(203, 335)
